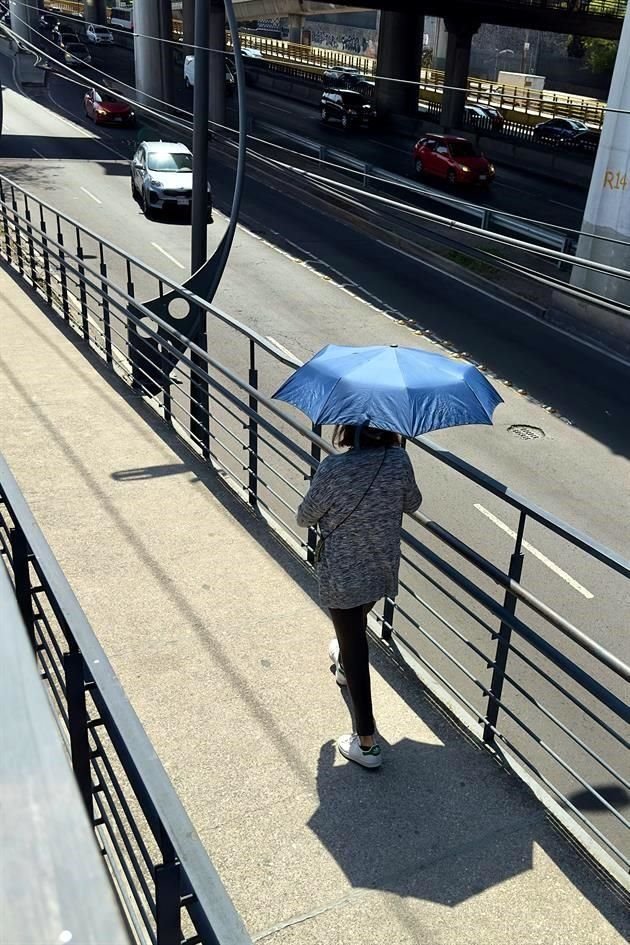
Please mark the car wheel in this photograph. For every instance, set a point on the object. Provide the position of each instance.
(345, 122)
(419, 167)
(146, 209)
(324, 114)
(451, 178)
(133, 189)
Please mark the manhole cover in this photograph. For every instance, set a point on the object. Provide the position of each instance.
(526, 432)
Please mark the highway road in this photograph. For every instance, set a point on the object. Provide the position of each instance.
(513, 191)
(301, 278)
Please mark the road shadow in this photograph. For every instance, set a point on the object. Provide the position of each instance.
(441, 821)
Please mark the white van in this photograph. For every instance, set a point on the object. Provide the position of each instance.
(189, 74)
(122, 17)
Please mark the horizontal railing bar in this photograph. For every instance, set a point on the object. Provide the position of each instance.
(487, 660)
(575, 738)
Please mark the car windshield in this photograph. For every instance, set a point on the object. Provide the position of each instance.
(106, 97)
(100, 29)
(462, 149)
(352, 98)
(165, 161)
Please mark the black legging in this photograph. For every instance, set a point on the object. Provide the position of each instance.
(350, 627)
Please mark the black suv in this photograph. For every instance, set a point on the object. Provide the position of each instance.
(348, 107)
(347, 77)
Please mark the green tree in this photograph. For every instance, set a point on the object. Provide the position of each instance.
(601, 54)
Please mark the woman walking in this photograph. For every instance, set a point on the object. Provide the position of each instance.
(357, 499)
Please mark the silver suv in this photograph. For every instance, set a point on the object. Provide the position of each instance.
(161, 176)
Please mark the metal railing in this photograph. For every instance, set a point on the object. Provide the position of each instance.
(165, 883)
(536, 689)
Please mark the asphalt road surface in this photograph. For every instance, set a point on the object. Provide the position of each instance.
(300, 278)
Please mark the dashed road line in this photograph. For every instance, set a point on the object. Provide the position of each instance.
(168, 255)
(90, 194)
(537, 554)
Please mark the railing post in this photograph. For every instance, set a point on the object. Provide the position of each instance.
(46, 257)
(82, 292)
(22, 578)
(387, 627)
(168, 896)
(253, 427)
(63, 276)
(200, 393)
(18, 233)
(311, 538)
(5, 225)
(503, 638)
(29, 239)
(107, 328)
(73, 665)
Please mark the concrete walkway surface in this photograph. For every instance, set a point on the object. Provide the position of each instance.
(215, 632)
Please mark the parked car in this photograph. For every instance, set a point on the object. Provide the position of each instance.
(161, 176)
(189, 74)
(64, 36)
(49, 22)
(337, 76)
(556, 130)
(454, 159)
(99, 35)
(74, 53)
(346, 106)
(484, 116)
(583, 141)
(248, 52)
(105, 109)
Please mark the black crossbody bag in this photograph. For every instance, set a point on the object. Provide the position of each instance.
(319, 547)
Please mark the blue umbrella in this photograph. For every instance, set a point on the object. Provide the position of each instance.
(402, 389)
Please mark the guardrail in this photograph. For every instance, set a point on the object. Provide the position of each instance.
(165, 883)
(538, 691)
(369, 176)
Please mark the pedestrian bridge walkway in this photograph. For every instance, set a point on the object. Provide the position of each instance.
(216, 635)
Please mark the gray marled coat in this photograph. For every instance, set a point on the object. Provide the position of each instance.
(360, 560)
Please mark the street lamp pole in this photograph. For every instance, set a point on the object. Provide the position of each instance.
(201, 100)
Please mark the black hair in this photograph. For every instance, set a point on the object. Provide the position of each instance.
(346, 434)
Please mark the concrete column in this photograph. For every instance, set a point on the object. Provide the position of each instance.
(217, 62)
(153, 59)
(94, 11)
(460, 34)
(188, 18)
(23, 16)
(607, 210)
(439, 59)
(399, 56)
(296, 25)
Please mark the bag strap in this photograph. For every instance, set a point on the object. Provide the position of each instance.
(352, 511)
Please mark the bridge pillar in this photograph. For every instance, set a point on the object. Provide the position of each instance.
(440, 46)
(296, 25)
(23, 17)
(94, 11)
(460, 34)
(188, 21)
(153, 59)
(607, 212)
(400, 37)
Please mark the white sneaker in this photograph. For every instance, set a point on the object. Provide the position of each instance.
(333, 653)
(350, 747)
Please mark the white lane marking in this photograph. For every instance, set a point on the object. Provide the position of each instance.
(39, 154)
(392, 147)
(168, 255)
(90, 194)
(277, 108)
(569, 206)
(537, 554)
(282, 348)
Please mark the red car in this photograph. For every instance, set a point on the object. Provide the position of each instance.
(104, 109)
(453, 159)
